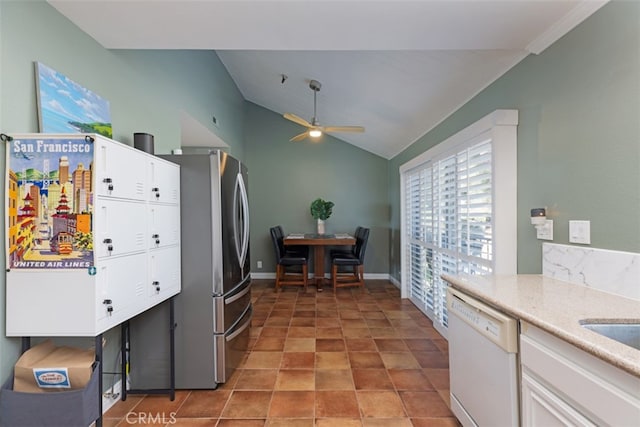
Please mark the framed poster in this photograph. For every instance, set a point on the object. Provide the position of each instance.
(66, 107)
(49, 202)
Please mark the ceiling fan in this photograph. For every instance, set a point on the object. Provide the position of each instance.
(314, 130)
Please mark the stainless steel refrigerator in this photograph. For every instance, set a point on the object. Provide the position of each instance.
(213, 311)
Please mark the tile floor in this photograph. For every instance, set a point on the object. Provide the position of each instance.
(359, 358)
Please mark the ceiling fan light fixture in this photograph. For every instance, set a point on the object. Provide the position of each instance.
(315, 133)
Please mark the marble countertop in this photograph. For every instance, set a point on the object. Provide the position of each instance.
(557, 307)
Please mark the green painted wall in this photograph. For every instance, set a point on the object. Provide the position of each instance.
(147, 91)
(578, 137)
(285, 177)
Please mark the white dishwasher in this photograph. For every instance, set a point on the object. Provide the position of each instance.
(483, 365)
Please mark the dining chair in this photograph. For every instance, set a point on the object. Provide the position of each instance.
(349, 251)
(291, 269)
(341, 262)
(296, 250)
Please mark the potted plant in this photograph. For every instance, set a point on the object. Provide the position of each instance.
(321, 210)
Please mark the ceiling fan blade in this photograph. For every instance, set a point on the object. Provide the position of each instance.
(344, 129)
(296, 119)
(299, 137)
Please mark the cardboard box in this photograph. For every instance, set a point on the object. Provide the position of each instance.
(47, 368)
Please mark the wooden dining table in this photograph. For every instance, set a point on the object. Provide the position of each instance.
(319, 242)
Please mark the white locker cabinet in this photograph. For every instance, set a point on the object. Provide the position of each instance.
(161, 235)
(95, 239)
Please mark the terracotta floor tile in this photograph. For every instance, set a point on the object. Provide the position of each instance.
(399, 360)
(410, 379)
(332, 360)
(338, 422)
(424, 404)
(372, 379)
(304, 313)
(435, 422)
(361, 344)
(439, 378)
(337, 404)
(303, 321)
(241, 423)
(377, 314)
(257, 379)
(329, 332)
(386, 422)
(378, 323)
(269, 344)
(380, 404)
(203, 404)
(191, 422)
(353, 323)
(296, 379)
(418, 344)
(247, 404)
(154, 404)
(292, 404)
(334, 379)
(290, 422)
(432, 359)
(383, 332)
(350, 314)
(411, 332)
(286, 313)
(391, 344)
(298, 360)
(397, 314)
(300, 344)
(330, 344)
(356, 332)
(328, 322)
(302, 332)
(277, 321)
(263, 359)
(365, 360)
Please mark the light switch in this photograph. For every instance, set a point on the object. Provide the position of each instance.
(545, 231)
(580, 232)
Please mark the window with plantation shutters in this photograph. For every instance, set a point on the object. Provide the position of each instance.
(458, 211)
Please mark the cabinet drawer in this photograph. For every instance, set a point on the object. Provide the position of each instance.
(603, 393)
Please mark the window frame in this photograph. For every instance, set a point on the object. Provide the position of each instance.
(501, 128)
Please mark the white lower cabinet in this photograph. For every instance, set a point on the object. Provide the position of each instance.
(562, 385)
(542, 407)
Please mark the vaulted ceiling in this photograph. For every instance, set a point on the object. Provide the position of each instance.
(396, 67)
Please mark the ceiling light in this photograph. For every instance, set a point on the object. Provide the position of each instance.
(315, 133)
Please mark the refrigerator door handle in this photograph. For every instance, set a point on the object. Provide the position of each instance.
(241, 235)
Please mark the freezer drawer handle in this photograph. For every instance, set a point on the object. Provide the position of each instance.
(238, 295)
(239, 331)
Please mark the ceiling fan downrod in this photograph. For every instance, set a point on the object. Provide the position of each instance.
(315, 86)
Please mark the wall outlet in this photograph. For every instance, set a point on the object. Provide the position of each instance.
(545, 231)
(259, 264)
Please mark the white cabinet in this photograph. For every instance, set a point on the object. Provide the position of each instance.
(563, 385)
(97, 234)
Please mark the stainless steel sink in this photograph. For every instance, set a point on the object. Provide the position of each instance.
(626, 333)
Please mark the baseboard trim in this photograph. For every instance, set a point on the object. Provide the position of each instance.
(370, 276)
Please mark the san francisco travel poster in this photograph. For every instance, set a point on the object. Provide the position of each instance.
(49, 202)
